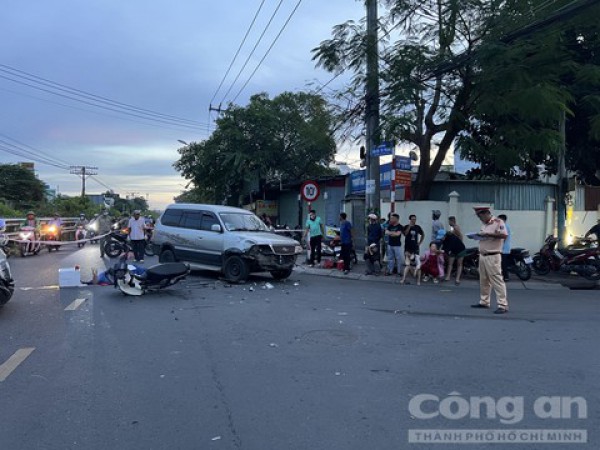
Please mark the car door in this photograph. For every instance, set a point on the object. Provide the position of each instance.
(211, 240)
(190, 246)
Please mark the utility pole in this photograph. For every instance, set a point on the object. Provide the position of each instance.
(561, 181)
(215, 108)
(372, 107)
(83, 172)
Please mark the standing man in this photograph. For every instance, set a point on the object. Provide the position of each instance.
(346, 241)
(394, 233)
(104, 222)
(491, 235)
(414, 237)
(315, 230)
(505, 247)
(137, 235)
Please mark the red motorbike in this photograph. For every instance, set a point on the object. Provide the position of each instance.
(585, 262)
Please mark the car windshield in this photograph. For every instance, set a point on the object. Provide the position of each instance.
(242, 222)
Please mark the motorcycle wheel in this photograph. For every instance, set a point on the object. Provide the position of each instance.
(541, 265)
(523, 271)
(23, 250)
(592, 276)
(149, 249)
(113, 249)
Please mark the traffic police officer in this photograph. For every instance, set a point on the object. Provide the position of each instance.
(491, 238)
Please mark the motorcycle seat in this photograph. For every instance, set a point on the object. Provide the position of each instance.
(167, 270)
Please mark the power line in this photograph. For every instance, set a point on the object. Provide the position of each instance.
(74, 98)
(36, 151)
(101, 113)
(93, 97)
(252, 51)
(238, 51)
(268, 50)
(25, 155)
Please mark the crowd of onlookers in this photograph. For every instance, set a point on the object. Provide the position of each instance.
(394, 248)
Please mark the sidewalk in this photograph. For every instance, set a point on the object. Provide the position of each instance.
(537, 282)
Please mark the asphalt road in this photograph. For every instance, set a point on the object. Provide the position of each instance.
(313, 363)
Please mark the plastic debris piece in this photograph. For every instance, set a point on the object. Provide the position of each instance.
(216, 438)
(251, 289)
(162, 376)
(296, 284)
(273, 344)
(337, 374)
(269, 286)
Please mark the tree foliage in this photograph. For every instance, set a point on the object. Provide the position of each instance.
(460, 68)
(20, 188)
(288, 137)
(523, 89)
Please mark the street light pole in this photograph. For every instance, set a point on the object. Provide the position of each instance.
(372, 108)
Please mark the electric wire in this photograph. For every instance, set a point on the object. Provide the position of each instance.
(238, 51)
(35, 150)
(208, 129)
(252, 51)
(268, 50)
(11, 71)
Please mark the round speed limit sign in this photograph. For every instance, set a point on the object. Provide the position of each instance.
(309, 191)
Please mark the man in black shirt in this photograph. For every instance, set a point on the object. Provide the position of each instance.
(394, 233)
(454, 248)
(414, 236)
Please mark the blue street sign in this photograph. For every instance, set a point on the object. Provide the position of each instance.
(403, 163)
(387, 148)
(358, 181)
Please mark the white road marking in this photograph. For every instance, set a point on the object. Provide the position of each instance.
(41, 288)
(76, 304)
(13, 362)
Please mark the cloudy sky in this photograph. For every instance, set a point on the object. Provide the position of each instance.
(161, 60)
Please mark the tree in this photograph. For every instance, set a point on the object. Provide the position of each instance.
(438, 74)
(287, 138)
(523, 88)
(20, 188)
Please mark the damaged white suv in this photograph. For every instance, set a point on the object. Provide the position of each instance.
(232, 240)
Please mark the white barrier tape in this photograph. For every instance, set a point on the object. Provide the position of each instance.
(58, 243)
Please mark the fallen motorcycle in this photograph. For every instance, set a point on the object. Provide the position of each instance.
(7, 285)
(157, 277)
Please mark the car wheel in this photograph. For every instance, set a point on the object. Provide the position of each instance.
(235, 269)
(167, 256)
(281, 274)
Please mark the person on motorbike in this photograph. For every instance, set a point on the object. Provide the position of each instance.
(104, 222)
(31, 221)
(58, 223)
(80, 227)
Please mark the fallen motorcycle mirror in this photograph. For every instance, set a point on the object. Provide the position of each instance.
(132, 281)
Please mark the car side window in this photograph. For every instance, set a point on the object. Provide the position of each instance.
(171, 217)
(208, 220)
(192, 220)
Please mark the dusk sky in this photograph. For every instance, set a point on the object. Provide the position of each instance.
(164, 57)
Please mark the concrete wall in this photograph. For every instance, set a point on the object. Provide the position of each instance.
(527, 227)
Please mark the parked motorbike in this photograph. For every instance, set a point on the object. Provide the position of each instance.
(116, 243)
(80, 234)
(31, 246)
(155, 278)
(584, 262)
(92, 231)
(519, 262)
(7, 285)
(50, 233)
(471, 262)
(149, 248)
(333, 248)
